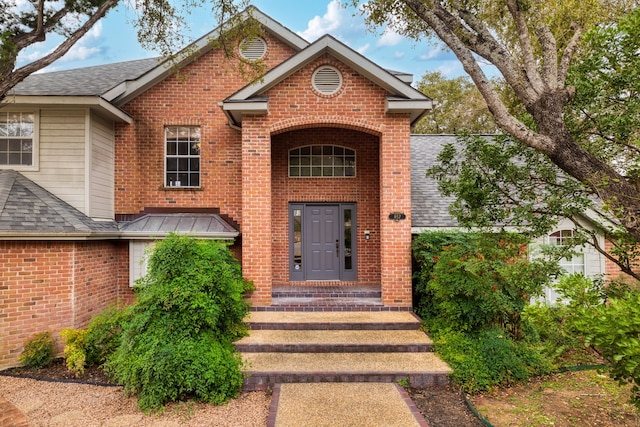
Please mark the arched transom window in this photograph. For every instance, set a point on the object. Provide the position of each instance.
(322, 161)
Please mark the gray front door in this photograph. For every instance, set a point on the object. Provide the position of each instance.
(322, 242)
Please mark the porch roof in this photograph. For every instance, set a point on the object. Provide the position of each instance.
(157, 225)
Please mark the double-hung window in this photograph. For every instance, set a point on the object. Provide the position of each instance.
(574, 263)
(17, 139)
(182, 145)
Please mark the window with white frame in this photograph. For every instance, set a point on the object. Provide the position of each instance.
(16, 139)
(327, 161)
(182, 145)
(575, 264)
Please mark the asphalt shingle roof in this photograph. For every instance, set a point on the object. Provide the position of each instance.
(27, 207)
(83, 81)
(429, 208)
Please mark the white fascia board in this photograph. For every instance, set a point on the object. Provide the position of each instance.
(418, 230)
(235, 110)
(415, 107)
(52, 235)
(407, 105)
(330, 45)
(94, 102)
(138, 235)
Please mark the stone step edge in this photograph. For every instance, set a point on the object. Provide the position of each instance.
(326, 294)
(329, 307)
(335, 348)
(260, 381)
(341, 326)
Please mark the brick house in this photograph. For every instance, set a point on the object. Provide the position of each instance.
(307, 171)
(311, 172)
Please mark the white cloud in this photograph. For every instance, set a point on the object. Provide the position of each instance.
(389, 38)
(398, 54)
(328, 23)
(87, 45)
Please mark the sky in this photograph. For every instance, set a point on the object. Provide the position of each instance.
(114, 39)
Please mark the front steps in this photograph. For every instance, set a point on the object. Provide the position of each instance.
(338, 346)
(327, 298)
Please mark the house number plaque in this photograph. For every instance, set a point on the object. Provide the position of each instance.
(397, 216)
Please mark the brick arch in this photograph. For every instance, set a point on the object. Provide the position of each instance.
(360, 125)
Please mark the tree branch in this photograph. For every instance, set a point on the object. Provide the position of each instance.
(16, 76)
(528, 59)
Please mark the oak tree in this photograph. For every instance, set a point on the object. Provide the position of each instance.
(532, 44)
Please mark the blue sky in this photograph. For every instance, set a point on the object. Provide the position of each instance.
(114, 39)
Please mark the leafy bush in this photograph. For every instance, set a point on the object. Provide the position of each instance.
(75, 354)
(614, 328)
(178, 342)
(471, 281)
(39, 351)
(489, 358)
(563, 344)
(103, 334)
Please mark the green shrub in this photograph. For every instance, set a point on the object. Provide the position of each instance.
(471, 282)
(179, 341)
(563, 344)
(614, 328)
(75, 354)
(39, 351)
(489, 358)
(103, 334)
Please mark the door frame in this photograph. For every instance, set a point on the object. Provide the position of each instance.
(296, 213)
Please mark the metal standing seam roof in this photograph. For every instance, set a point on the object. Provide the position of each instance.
(160, 225)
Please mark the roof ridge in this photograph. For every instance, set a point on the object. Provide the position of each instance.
(61, 207)
(7, 180)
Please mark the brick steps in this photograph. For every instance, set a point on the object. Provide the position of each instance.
(327, 298)
(334, 341)
(295, 347)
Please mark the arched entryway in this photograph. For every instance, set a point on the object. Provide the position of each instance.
(325, 211)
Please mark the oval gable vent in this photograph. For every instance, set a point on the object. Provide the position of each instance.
(327, 80)
(253, 49)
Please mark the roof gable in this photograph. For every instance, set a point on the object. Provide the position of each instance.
(402, 98)
(128, 90)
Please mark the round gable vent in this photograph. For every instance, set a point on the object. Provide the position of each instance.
(327, 80)
(253, 48)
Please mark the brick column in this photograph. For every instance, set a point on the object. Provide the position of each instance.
(395, 196)
(256, 208)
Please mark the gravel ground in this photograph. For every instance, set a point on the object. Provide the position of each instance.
(69, 405)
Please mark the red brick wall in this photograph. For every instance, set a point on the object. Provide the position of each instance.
(359, 106)
(190, 98)
(53, 285)
(362, 190)
(236, 166)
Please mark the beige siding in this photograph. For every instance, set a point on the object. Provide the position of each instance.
(101, 168)
(62, 155)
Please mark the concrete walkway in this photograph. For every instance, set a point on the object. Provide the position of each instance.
(340, 368)
(344, 405)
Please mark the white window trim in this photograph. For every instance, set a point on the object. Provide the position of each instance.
(355, 163)
(139, 252)
(35, 159)
(164, 142)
